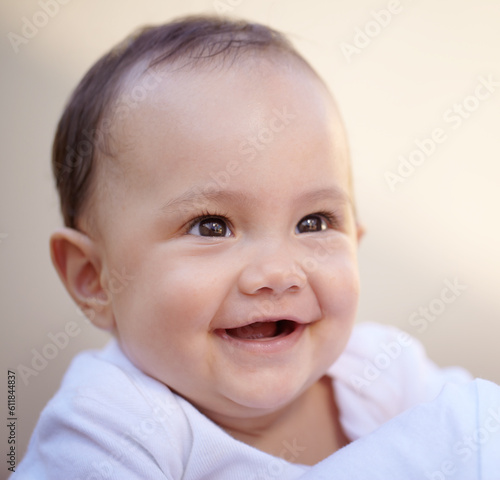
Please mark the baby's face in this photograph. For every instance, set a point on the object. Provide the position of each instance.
(231, 210)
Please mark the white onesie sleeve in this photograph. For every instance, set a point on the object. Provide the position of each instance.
(453, 437)
(101, 426)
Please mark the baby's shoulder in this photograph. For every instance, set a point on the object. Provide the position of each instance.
(108, 411)
(383, 372)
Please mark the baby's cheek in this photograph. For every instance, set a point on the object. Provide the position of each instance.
(336, 283)
(191, 291)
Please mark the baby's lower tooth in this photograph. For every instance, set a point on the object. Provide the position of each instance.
(256, 336)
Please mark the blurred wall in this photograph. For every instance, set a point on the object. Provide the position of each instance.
(425, 145)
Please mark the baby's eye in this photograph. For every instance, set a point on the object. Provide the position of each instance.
(311, 223)
(210, 227)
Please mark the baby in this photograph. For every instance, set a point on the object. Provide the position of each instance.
(205, 185)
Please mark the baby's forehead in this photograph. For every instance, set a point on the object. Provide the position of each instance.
(144, 92)
(250, 98)
(220, 111)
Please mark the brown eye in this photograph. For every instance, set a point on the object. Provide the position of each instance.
(210, 227)
(311, 223)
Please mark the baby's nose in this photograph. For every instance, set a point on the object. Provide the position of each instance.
(276, 273)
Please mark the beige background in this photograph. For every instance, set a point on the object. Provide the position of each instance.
(441, 223)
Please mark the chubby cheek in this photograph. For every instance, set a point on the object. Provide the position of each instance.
(336, 286)
(163, 321)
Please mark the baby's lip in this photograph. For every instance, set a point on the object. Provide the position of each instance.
(274, 318)
(262, 335)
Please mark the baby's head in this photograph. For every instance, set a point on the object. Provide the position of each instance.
(205, 185)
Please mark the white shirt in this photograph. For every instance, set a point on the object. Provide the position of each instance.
(111, 421)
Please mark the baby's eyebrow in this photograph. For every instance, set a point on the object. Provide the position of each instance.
(333, 192)
(195, 198)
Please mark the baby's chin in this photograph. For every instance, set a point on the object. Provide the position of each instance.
(259, 399)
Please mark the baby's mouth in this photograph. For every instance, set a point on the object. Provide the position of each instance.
(262, 330)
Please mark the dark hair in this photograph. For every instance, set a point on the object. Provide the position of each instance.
(82, 130)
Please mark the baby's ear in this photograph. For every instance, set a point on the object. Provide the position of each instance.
(76, 259)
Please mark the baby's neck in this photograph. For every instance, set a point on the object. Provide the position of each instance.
(306, 432)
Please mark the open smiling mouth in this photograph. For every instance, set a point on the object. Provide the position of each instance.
(262, 331)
